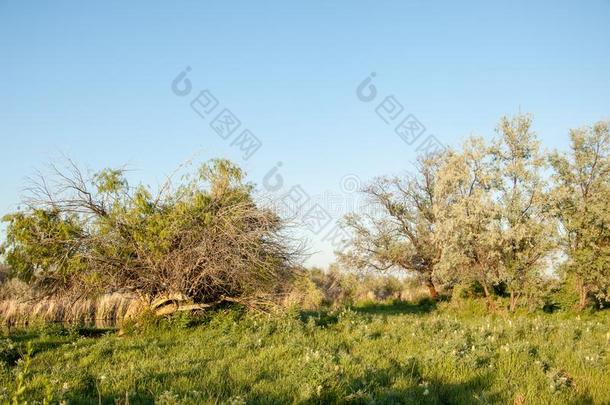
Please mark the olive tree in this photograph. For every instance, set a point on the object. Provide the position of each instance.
(526, 224)
(582, 204)
(467, 217)
(399, 233)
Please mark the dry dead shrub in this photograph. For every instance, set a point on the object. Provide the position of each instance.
(13, 287)
(414, 294)
(191, 246)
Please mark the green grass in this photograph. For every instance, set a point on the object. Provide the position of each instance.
(399, 353)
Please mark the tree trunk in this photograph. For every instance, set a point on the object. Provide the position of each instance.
(490, 304)
(432, 289)
(513, 301)
(583, 295)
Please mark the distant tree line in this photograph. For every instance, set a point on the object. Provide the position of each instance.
(502, 215)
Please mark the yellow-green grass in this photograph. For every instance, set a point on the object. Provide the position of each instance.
(371, 354)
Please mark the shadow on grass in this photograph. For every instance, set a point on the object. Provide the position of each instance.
(475, 390)
(57, 330)
(91, 398)
(320, 318)
(397, 308)
(376, 385)
(328, 317)
(403, 382)
(43, 341)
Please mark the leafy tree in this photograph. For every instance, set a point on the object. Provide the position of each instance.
(525, 222)
(43, 244)
(582, 203)
(399, 235)
(467, 218)
(338, 287)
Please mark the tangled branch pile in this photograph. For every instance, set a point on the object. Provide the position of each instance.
(205, 241)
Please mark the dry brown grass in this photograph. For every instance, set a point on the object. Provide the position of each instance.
(414, 293)
(108, 310)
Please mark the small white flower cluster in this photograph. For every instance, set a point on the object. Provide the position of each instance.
(425, 385)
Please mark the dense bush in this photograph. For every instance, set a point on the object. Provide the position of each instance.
(337, 288)
(204, 241)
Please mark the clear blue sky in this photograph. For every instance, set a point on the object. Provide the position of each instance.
(93, 81)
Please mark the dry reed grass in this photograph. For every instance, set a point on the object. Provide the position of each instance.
(108, 310)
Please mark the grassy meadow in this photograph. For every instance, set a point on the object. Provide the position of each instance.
(319, 202)
(376, 353)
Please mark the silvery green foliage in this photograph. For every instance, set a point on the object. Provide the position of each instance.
(582, 203)
(400, 233)
(468, 217)
(485, 214)
(525, 221)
